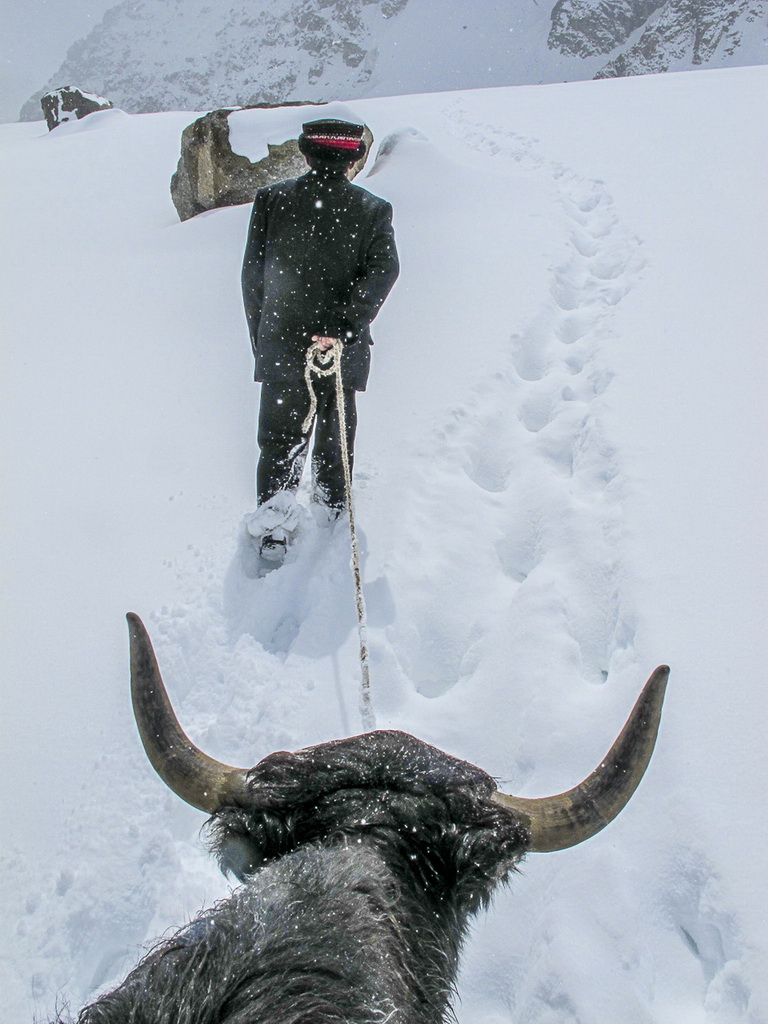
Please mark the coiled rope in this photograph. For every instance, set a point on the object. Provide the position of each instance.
(326, 363)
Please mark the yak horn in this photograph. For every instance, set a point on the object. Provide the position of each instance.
(191, 774)
(558, 822)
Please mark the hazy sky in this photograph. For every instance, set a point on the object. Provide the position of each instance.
(34, 38)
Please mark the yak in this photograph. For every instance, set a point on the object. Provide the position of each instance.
(362, 861)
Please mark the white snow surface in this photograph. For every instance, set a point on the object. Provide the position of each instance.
(560, 482)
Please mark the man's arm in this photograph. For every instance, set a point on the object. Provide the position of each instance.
(252, 277)
(381, 269)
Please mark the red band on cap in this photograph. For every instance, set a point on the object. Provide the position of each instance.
(335, 141)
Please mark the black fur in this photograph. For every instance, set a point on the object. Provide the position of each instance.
(361, 861)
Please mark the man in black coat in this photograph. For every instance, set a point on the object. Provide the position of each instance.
(319, 261)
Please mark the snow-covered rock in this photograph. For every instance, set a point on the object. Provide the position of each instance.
(212, 174)
(209, 175)
(69, 104)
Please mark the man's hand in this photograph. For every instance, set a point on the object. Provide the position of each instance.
(323, 342)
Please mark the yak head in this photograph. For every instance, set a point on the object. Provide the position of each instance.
(357, 786)
(373, 849)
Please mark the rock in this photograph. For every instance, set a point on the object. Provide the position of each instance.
(70, 104)
(210, 175)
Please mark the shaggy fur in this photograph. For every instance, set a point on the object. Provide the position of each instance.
(362, 861)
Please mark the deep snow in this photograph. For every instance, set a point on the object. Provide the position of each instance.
(560, 480)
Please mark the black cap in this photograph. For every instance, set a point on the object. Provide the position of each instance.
(332, 140)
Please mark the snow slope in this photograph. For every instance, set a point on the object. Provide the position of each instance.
(560, 478)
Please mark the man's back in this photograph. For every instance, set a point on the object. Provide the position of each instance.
(323, 256)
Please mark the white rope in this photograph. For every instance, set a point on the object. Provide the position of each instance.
(324, 364)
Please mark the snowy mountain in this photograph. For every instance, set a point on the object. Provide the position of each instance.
(150, 55)
(560, 479)
(680, 35)
(660, 35)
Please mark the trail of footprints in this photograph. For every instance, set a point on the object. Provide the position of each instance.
(692, 901)
(534, 436)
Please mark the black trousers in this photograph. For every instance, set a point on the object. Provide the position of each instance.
(283, 446)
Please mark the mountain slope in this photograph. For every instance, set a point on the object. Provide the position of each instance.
(681, 35)
(192, 54)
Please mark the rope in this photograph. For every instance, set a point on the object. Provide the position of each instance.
(324, 364)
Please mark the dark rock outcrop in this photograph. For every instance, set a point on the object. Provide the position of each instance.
(581, 28)
(687, 34)
(70, 104)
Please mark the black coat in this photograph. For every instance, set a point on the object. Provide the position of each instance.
(320, 259)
